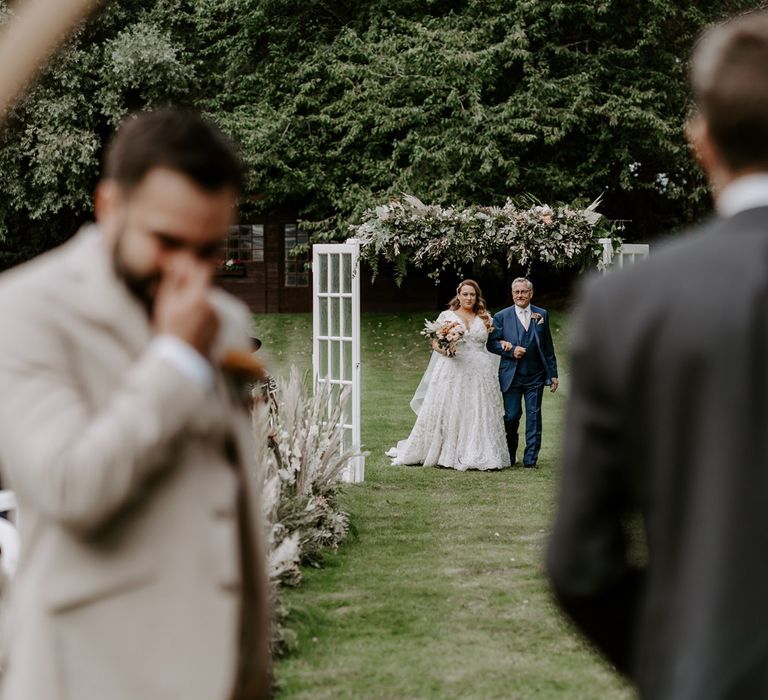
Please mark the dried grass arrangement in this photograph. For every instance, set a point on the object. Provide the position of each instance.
(299, 450)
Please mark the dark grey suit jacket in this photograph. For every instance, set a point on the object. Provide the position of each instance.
(668, 420)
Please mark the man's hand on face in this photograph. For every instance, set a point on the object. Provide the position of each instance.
(181, 305)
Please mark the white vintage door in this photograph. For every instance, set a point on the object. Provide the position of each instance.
(336, 335)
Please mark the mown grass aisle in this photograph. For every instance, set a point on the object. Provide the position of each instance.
(439, 593)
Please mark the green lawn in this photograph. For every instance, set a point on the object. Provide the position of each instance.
(439, 592)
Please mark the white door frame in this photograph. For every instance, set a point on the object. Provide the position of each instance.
(336, 335)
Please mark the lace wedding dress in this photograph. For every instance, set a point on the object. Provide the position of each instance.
(460, 421)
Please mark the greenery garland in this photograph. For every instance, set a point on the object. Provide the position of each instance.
(408, 232)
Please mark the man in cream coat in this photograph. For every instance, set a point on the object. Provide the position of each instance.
(141, 572)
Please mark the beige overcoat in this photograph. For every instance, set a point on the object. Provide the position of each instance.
(137, 509)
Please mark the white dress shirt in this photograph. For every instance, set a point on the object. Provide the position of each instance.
(747, 192)
(184, 357)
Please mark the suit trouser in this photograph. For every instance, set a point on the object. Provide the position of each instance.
(531, 389)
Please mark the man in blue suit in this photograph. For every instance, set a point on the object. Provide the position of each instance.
(522, 338)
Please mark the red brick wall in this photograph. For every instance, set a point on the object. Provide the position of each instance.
(251, 288)
(263, 286)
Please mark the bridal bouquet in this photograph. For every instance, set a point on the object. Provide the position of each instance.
(448, 334)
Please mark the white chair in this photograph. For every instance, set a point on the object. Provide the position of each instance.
(627, 254)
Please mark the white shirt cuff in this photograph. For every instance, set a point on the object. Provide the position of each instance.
(184, 358)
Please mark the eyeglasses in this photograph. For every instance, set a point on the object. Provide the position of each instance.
(522, 292)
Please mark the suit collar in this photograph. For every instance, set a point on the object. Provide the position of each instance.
(745, 220)
(97, 292)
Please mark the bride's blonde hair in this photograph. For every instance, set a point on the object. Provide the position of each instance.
(478, 308)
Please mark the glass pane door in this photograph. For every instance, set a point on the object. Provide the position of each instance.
(336, 336)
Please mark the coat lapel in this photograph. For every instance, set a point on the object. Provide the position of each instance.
(102, 300)
(100, 296)
(518, 328)
(535, 324)
(537, 336)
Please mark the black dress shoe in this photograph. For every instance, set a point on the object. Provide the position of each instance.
(532, 465)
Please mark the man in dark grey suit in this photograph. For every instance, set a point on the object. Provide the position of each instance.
(668, 421)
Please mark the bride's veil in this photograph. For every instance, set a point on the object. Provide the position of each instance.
(421, 390)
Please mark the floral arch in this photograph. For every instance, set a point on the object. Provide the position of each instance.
(408, 232)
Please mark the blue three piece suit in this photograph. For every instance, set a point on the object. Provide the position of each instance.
(524, 378)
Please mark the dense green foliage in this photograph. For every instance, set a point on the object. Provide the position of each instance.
(338, 105)
(132, 55)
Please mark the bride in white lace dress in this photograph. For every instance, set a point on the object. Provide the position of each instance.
(460, 421)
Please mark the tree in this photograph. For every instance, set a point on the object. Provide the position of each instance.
(128, 57)
(340, 105)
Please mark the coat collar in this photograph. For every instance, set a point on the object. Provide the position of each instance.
(98, 294)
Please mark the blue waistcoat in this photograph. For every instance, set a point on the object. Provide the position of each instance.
(531, 363)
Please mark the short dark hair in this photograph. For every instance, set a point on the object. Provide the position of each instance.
(729, 74)
(179, 140)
